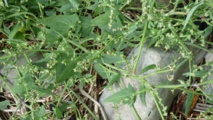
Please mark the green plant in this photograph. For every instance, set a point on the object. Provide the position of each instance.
(80, 38)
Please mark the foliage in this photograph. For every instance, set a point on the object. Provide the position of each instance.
(77, 38)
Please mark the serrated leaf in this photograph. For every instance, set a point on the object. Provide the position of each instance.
(101, 21)
(126, 96)
(189, 15)
(101, 70)
(143, 94)
(147, 68)
(188, 102)
(113, 79)
(4, 104)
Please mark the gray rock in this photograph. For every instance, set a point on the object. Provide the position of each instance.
(9, 70)
(208, 89)
(150, 112)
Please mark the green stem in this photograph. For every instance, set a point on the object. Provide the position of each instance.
(156, 103)
(135, 112)
(78, 45)
(141, 47)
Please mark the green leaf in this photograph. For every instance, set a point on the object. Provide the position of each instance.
(75, 4)
(113, 79)
(40, 113)
(68, 6)
(132, 29)
(106, 58)
(64, 72)
(102, 71)
(147, 68)
(43, 91)
(4, 104)
(61, 23)
(63, 107)
(182, 63)
(189, 15)
(188, 102)
(127, 96)
(101, 21)
(19, 88)
(58, 113)
(143, 94)
(208, 31)
(200, 73)
(197, 73)
(14, 31)
(86, 25)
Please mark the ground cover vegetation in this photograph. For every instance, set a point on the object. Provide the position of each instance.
(84, 43)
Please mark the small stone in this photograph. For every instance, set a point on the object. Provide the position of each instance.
(209, 87)
(21, 61)
(149, 56)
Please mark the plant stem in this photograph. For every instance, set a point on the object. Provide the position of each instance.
(141, 47)
(135, 112)
(156, 103)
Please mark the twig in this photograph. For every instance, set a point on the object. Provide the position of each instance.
(97, 103)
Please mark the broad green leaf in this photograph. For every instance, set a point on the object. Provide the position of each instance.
(64, 72)
(14, 30)
(132, 29)
(113, 79)
(43, 91)
(189, 101)
(189, 15)
(143, 94)
(75, 4)
(4, 104)
(200, 73)
(102, 71)
(50, 12)
(106, 58)
(63, 107)
(126, 96)
(197, 73)
(147, 68)
(86, 25)
(95, 7)
(58, 113)
(51, 36)
(40, 113)
(61, 23)
(101, 21)
(19, 88)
